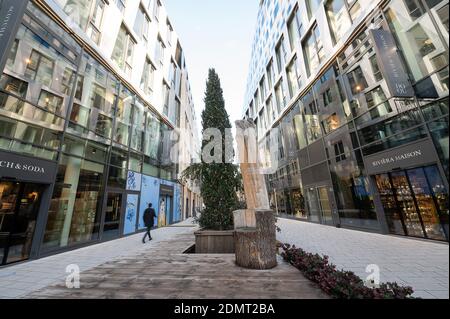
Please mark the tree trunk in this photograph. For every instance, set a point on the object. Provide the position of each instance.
(256, 246)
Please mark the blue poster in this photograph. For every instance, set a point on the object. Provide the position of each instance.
(134, 181)
(149, 194)
(131, 214)
(176, 201)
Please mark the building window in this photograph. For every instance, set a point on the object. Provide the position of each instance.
(124, 50)
(312, 6)
(148, 76)
(339, 152)
(327, 97)
(331, 123)
(443, 16)
(294, 28)
(313, 50)
(257, 101)
(338, 19)
(159, 52)
(156, 9)
(142, 23)
(293, 74)
(281, 99)
(51, 102)
(169, 33)
(270, 74)
(262, 89)
(281, 54)
(96, 20)
(165, 95)
(357, 81)
(375, 68)
(121, 5)
(39, 68)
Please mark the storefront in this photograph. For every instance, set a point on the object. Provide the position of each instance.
(25, 187)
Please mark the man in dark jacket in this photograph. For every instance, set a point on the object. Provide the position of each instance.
(149, 221)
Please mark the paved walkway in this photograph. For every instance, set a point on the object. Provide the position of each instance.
(21, 279)
(423, 265)
(163, 272)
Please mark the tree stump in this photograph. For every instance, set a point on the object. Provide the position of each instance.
(255, 239)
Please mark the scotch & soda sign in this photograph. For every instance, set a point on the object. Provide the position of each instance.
(21, 168)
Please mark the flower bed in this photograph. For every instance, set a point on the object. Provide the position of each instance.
(339, 284)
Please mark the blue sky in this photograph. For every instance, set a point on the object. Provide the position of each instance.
(219, 34)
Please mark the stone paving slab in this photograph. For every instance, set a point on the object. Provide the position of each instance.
(421, 264)
(164, 272)
(21, 279)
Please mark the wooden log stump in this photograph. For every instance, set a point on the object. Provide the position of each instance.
(255, 239)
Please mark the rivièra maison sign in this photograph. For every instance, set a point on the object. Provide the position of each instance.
(415, 154)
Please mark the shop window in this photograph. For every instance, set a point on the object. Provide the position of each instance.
(39, 68)
(435, 110)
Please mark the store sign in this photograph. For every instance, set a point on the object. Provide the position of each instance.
(11, 12)
(29, 169)
(390, 64)
(404, 157)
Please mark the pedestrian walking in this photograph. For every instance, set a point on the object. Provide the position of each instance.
(149, 221)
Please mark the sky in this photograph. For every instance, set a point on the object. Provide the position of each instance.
(217, 34)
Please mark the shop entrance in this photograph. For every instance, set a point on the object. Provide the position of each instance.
(319, 205)
(19, 207)
(415, 202)
(113, 212)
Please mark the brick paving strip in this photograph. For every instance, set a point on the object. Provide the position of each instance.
(165, 272)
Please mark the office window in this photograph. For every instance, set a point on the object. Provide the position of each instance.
(375, 97)
(124, 50)
(443, 16)
(257, 101)
(313, 50)
(121, 5)
(295, 29)
(142, 23)
(148, 76)
(338, 18)
(293, 75)
(51, 102)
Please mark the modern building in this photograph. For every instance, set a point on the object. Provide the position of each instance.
(358, 91)
(92, 95)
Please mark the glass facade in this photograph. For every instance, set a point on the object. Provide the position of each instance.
(60, 104)
(343, 130)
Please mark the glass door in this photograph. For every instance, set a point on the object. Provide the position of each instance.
(113, 213)
(324, 199)
(19, 208)
(313, 205)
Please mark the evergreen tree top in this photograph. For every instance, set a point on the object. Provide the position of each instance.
(214, 115)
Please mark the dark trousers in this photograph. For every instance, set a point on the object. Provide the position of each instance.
(149, 228)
